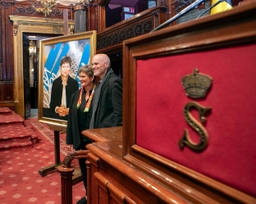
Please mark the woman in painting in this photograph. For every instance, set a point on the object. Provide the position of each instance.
(62, 89)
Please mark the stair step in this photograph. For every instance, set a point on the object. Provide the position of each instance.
(13, 130)
(5, 110)
(10, 117)
(15, 142)
(34, 136)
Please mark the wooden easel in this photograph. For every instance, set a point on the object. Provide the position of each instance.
(45, 170)
(77, 176)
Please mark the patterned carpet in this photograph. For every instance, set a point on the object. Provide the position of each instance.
(43, 129)
(13, 132)
(20, 181)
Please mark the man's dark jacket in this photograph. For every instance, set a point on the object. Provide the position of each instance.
(109, 109)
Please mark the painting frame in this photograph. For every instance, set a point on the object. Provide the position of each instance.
(51, 51)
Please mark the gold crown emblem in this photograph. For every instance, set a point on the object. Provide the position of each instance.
(196, 85)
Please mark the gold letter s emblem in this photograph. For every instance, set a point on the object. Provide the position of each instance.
(197, 126)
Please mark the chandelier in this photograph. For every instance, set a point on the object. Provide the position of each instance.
(87, 3)
(46, 6)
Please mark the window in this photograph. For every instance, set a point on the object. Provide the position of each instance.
(151, 4)
(128, 12)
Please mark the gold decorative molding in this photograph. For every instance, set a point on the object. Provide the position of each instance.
(196, 85)
(46, 7)
(15, 29)
(197, 126)
(52, 25)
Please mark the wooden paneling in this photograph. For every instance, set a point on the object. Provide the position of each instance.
(6, 96)
(92, 168)
(6, 70)
(110, 39)
(7, 91)
(117, 181)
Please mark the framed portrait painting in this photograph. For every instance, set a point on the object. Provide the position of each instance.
(61, 57)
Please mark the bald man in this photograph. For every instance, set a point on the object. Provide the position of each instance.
(107, 101)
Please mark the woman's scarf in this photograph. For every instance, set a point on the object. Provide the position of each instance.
(88, 103)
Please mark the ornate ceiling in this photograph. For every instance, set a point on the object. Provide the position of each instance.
(118, 2)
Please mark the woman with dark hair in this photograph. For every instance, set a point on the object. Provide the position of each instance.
(79, 117)
(62, 89)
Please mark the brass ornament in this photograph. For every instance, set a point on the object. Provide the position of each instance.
(196, 85)
(197, 126)
(46, 7)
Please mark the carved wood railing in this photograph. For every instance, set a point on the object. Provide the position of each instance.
(66, 170)
(110, 40)
(66, 173)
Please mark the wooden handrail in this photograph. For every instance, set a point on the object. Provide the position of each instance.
(66, 173)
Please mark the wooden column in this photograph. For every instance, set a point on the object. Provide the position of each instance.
(80, 18)
(66, 184)
(65, 21)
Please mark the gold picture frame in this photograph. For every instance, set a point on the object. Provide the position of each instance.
(80, 48)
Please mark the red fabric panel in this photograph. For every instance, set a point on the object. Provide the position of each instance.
(231, 153)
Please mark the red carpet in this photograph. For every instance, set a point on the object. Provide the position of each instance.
(13, 132)
(40, 129)
(20, 181)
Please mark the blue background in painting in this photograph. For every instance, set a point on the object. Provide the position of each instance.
(55, 55)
